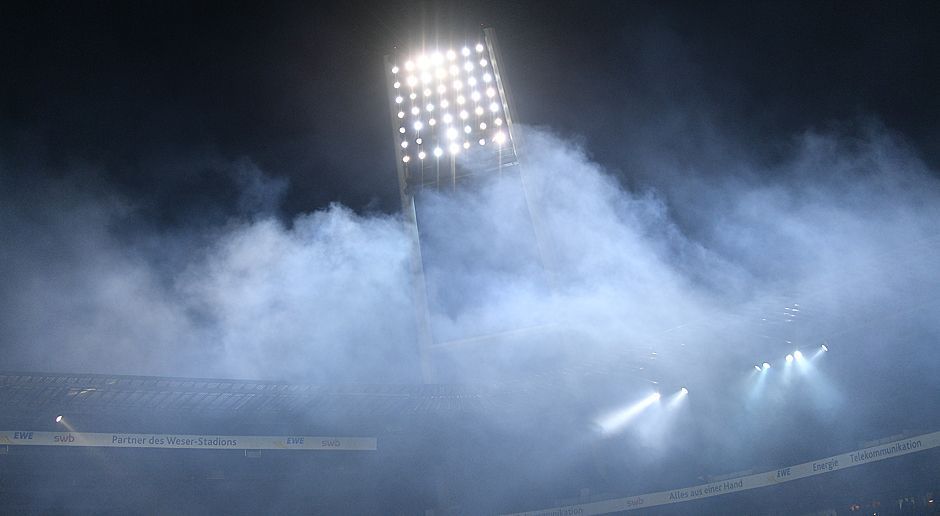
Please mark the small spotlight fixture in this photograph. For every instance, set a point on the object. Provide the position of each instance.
(789, 358)
(656, 395)
(765, 366)
(684, 391)
(757, 367)
(798, 355)
(824, 347)
(58, 419)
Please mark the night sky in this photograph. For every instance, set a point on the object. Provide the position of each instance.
(157, 99)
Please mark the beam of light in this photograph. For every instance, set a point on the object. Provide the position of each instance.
(822, 349)
(789, 359)
(615, 421)
(677, 398)
(798, 355)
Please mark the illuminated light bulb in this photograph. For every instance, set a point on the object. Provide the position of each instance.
(478, 110)
(466, 145)
(422, 61)
(490, 92)
(824, 347)
(415, 110)
(499, 137)
(498, 121)
(419, 141)
(789, 358)
(406, 159)
(765, 366)
(465, 51)
(468, 66)
(475, 95)
(479, 47)
(444, 103)
(429, 107)
(401, 114)
(427, 92)
(396, 85)
(454, 70)
(457, 85)
(467, 129)
(482, 124)
(483, 62)
(441, 89)
(447, 118)
(757, 367)
(438, 151)
(451, 133)
(684, 391)
(454, 148)
(422, 155)
(472, 81)
(482, 141)
(404, 145)
(401, 130)
(451, 55)
(494, 107)
(432, 122)
(487, 77)
(58, 419)
(399, 100)
(418, 126)
(409, 65)
(461, 99)
(411, 80)
(464, 115)
(798, 355)
(413, 96)
(394, 69)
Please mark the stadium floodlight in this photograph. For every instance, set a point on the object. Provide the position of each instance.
(798, 355)
(765, 366)
(436, 76)
(683, 391)
(757, 367)
(789, 358)
(824, 348)
(58, 419)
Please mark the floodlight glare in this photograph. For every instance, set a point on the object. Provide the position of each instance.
(464, 114)
(483, 62)
(404, 144)
(409, 65)
(789, 358)
(413, 96)
(58, 419)
(396, 85)
(405, 158)
(498, 121)
(461, 99)
(467, 129)
(411, 80)
(494, 107)
(421, 155)
(401, 114)
(440, 73)
(427, 92)
(490, 92)
(472, 81)
(429, 108)
(454, 70)
(824, 347)
(482, 124)
(441, 89)
(468, 66)
(438, 151)
(451, 55)
(415, 110)
(399, 100)
(394, 69)
(451, 133)
(684, 391)
(401, 130)
(479, 111)
(436, 58)
(499, 137)
(757, 367)
(454, 148)
(466, 145)
(798, 355)
(487, 77)
(475, 96)
(419, 141)
(479, 47)
(447, 118)
(765, 366)
(445, 103)
(465, 51)
(457, 84)
(482, 141)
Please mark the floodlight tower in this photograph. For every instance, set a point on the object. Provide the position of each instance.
(451, 123)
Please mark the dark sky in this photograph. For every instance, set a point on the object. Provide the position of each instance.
(154, 96)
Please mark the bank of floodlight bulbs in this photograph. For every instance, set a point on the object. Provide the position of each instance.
(426, 86)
